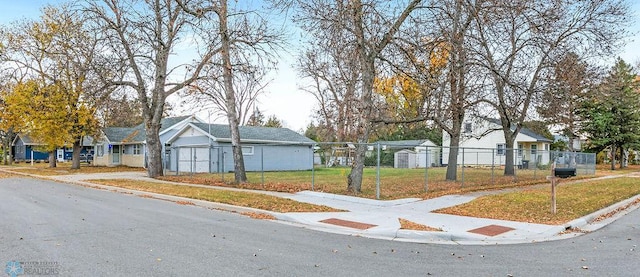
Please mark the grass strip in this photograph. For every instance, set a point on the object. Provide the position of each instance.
(65, 169)
(244, 199)
(534, 206)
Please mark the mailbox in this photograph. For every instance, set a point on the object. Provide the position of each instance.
(564, 172)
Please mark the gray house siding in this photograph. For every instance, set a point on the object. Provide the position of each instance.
(193, 154)
(277, 157)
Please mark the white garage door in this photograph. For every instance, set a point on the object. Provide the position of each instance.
(193, 160)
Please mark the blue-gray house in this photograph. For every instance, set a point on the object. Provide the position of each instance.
(202, 147)
(25, 149)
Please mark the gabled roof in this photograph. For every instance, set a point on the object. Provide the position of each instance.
(402, 143)
(220, 132)
(406, 143)
(524, 130)
(138, 133)
(26, 140)
(120, 134)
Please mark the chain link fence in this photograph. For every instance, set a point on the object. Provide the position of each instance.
(392, 169)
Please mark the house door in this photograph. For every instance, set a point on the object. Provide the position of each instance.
(60, 155)
(115, 154)
(193, 159)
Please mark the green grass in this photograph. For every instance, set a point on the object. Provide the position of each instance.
(573, 201)
(244, 199)
(394, 183)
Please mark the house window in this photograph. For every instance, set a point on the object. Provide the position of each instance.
(247, 150)
(100, 150)
(520, 146)
(501, 147)
(534, 150)
(136, 149)
(467, 127)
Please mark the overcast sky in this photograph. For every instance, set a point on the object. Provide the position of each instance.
(283, 97)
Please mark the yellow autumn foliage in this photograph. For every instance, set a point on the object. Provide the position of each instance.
(404, 96)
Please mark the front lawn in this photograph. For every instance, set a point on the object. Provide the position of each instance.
(573, 201)
(244, 199)
(394, 183)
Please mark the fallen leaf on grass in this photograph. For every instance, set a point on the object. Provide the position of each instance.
(410, 225)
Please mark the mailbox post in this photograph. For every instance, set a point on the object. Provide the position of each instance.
(555, 174)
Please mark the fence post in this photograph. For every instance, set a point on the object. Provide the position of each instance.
(462, 175)
(222, 163)
(177, 161)
(262, 164)
(535, 169)
(313, 167)
(378, 172)
(192, 156)
(493, 165)
(426, 168)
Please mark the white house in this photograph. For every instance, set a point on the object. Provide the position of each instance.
(413, 153)
(482, 143)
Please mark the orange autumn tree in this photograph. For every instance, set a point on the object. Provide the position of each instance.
(407, 94)
(55, 60)
(46, 114)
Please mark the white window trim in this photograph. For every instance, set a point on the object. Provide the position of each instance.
(137, 147)
(100, 150)
(501, 151)
(247, 153)
(520, 147)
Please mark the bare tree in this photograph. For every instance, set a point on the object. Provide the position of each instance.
(370, 27)
(121, 110)
(519, 41)
(209, 93)
(333, 80)
(438, 58)
(143, 36)
(244, 36)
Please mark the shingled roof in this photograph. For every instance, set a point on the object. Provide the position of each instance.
(523, 130)
(254, 133)
(138, 133)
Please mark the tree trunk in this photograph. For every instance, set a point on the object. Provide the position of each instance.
(509, 168)
(8, 155)
(75, 159)
(624, 155)
(232, 116)
(154, 150)
(452, 161)
(354, 180)
(613, 157)
(52, 159)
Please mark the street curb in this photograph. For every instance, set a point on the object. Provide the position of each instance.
(581, 225)
(588, 219)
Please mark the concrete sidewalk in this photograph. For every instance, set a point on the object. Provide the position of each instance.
(380, 219)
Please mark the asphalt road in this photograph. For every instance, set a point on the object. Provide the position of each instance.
(89, 232)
